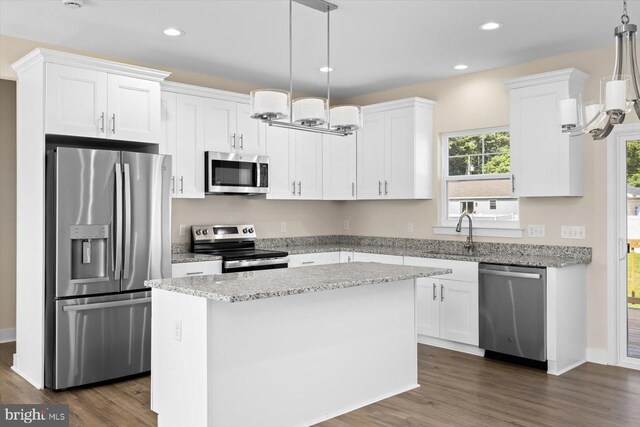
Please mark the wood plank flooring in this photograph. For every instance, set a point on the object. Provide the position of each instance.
(457, 390)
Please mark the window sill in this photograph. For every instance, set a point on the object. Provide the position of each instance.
(450, 230)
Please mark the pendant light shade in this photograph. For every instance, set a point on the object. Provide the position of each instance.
(346, 118)
(270, 104)
(310, 111)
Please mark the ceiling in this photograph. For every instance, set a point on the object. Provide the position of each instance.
(376, 44)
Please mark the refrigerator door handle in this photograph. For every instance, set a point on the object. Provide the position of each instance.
(96, 305)
(117, 257)
(127, 222)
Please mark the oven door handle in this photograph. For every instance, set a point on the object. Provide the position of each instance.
(255, 262)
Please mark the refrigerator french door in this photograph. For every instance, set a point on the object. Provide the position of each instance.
(108, 230)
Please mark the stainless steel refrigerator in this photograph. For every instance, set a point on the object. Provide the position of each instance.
(108, 230)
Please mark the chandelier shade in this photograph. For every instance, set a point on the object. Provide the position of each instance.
(346, 118)
(270, 104)
(310, 111)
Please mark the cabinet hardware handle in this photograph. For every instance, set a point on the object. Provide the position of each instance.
(181, 184)
(513, 183)
(434, 292)
(113, 123)
(173, 184)
(308, 262)
(233, 138)
(299, 188)
(294, 188)
(102, 122)
(386, 187)
(353, 189)
(241, 141)
(193, 273)
(441, 292)
(379, 188)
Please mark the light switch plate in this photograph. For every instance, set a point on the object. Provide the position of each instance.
(283, 227)
(410, 227)
(536, 230)
(177, 330)
(183, 230)
(573, 232)
(346, 225)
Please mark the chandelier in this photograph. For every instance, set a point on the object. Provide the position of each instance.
(310, 114)
(619, 93)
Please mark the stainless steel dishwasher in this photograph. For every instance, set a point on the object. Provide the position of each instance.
(513, 310)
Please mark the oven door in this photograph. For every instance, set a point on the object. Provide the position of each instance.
(254, 264)
(236, 173)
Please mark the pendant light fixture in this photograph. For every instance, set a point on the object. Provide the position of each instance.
(311, 114)
(619, 93)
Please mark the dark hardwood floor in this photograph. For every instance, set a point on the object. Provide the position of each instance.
(457, 390)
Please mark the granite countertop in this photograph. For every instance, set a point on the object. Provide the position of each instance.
(493, 258)
(191, 257)
(253, 285)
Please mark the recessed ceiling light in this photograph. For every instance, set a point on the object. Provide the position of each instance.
(461, 67)
(173, 32)
(490, 26)
(73, 4)
(326, 69)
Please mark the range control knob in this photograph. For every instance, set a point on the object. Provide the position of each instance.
(251, 230)
(205, 232)
(245, 230)
(198, 231)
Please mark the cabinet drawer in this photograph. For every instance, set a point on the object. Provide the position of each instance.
(384, 259)
(320, 258)
(196, 268)
(464, 271)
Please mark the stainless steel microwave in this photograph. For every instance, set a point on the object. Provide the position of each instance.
(231, 173)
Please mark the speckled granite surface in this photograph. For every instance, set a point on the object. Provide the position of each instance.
(252, 285)
(191, 257)
(497, 253)
(180, 248)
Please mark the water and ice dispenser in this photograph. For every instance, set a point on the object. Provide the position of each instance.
(89, 251)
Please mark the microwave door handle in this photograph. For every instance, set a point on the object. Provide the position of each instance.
(127, 222)
(117, 256)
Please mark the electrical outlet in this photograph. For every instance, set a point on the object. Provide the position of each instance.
(573, 232)
(183, 230)
(177, 330)
(409, 227)
(346, 225)
(536, 230)
(283, 227)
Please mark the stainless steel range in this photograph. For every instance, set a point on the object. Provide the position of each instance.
(236, 245)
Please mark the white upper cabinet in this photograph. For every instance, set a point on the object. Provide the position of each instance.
(250, 133)
(169, 133)
(281, 184)
(395, 150)
(544, 161)
(219, 119)
(189, 173)
(339, 167)
(85, 100)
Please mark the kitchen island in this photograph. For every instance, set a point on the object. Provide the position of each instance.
(282, 347)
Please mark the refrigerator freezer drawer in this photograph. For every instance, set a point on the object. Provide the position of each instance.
(101, 338)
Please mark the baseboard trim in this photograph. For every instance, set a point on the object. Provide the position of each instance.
(598, 355)
(450, 345)
(31, 381)
(553, 367)
(7, 335)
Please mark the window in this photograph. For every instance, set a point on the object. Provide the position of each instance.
(477, 178)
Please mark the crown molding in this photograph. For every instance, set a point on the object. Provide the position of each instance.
(205, 92)
(568, 74)
(400, 103)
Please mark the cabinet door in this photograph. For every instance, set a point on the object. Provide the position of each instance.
(339, 167)
(250, 132)
(187, 269)
(428, 306)
(134, 109)
(384, 259)
(169, 129)
(320, 258)
(190, 148)
(371, 158)
(76, 101)
(219, 121)
(346, 257)
(399, 154)
(281, 180)
(307, 157)
(459, 311)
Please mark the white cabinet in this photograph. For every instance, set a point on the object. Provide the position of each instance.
(339, 167)
(94, 103)
(229, 128)
(250, 133)
(448, 305)
(384, 259)
(395, 150)
(319, 258)
(346, 256)
(203, 268)
(295, 164)
(544, 161)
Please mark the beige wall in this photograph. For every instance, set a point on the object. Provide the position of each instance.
(472, 101)
(7, 204)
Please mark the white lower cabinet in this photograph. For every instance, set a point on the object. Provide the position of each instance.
(346, 256)
(195, 268)
(384, 259)
(319, 258)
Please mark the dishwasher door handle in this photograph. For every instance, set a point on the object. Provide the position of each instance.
(513, 274)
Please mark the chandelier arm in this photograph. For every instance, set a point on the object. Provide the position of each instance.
(294, 126)
(604, 132)
(634, 64)
(575, 131)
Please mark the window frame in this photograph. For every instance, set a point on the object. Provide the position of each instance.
(445, 178)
